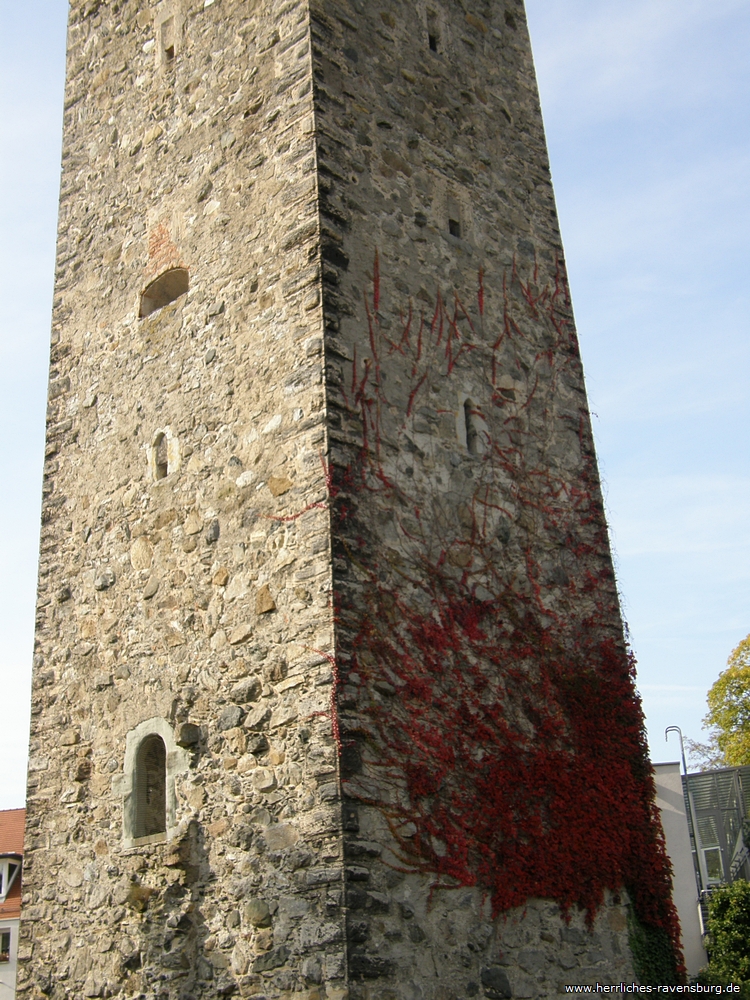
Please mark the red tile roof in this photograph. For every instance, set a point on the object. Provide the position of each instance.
(12, 823)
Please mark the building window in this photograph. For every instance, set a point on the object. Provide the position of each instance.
(9, 870)
(4, 945)
(165, 289)
(151, 787)
(714, 866)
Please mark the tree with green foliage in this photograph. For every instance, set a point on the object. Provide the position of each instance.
(729, 937)
(728, 718)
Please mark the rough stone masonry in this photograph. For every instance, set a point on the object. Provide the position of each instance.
(292, 237)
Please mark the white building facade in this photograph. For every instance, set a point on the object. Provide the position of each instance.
(670, 799)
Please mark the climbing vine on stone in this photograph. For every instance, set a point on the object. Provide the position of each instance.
(486, 700)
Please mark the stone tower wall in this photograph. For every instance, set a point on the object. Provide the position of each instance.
(432, 156)
(200, 598)
(360, 605)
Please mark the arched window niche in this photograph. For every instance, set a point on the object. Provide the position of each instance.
(170, 285)
(163, 454)
(471, 427)
(151, 787)
(152, 760)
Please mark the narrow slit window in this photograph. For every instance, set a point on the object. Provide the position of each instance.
(433, 32)
(161, 456)
(4, 946)
(167, 39)
(471, 423)
(454, 218)
(165, 289)
(151, 787)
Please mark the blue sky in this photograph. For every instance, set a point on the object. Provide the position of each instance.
(647, 114)
(646, 105)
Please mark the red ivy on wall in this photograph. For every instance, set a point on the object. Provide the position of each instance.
(495, 718)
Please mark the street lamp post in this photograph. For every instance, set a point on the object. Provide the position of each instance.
(691, 807)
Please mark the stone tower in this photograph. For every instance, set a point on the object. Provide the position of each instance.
(330, 691)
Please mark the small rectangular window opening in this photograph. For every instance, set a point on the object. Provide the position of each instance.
(433, 32)
(454, 217)
(4, 946)
(167, 39)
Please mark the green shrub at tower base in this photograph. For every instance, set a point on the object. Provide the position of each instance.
(653, 953)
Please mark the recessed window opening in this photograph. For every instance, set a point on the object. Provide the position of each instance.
(161, 456)
(4, 945)
(147, 784)
(151, 787)
(454, 217)
(165, 289)
(167, 39)
(471, 423)
(433, 32)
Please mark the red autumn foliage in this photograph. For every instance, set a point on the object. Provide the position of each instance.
(494, 708)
